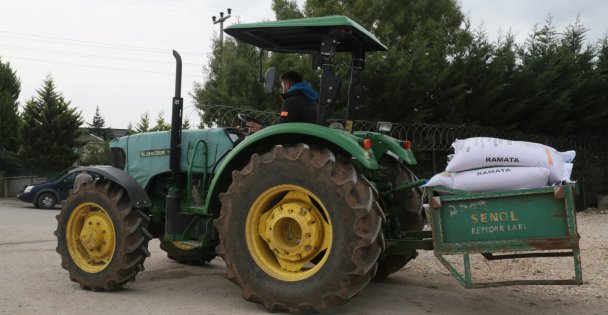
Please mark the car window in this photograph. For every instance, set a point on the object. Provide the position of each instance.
(69, 178)
(58, 176)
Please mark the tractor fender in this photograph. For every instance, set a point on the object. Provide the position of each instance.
(384, 143)
(291, 133)
(137, 194)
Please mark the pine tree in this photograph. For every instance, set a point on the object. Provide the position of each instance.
(50, 130)
(286, 9)
(130, 130)
(186, 123)
(161, 125)
(95, 154)
(144, 123)
(436, 70)
(10, 87)
(97, 126)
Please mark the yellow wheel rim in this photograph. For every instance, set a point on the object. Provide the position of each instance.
(90, 237)
(288, 232)
(183, 246)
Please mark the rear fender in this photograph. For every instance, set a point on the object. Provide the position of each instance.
(291, 133)
(138, 196)
(383, 143)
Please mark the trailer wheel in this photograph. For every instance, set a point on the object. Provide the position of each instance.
(101, 238)
(409, 209)
(299, 230)
(187, 254)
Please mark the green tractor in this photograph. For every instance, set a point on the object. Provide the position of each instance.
(303, 215)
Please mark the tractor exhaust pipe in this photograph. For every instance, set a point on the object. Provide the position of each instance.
(176, 119)
(173, 221)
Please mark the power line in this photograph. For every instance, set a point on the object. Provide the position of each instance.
(85, 43)
(105, 57)
(186, 6)
(163, 7)
(183, 4)
(99, 67)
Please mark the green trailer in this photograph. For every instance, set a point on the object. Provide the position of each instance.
(515, 224)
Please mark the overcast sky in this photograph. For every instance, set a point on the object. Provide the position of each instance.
(116, 54)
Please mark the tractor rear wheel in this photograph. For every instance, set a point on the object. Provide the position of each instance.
(187, 254)
(408, 204)
(299, 229)
(101, 238)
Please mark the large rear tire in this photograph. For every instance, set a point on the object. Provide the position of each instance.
(187, 254)
(101, 238)
(299, 230)
(408, 204)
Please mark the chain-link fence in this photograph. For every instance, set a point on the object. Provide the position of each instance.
(432, 144)
(425, 136)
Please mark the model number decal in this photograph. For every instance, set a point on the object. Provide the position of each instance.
(153, 153)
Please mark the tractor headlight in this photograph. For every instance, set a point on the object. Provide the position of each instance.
(336, 125)
(384, 126)
(27, 189)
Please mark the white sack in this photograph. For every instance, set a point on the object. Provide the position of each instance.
(493, 179)
(568, 156)
(568, 172)
(444, 179)
(481, 152)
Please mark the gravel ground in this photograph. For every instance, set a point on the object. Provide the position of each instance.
(34, 283)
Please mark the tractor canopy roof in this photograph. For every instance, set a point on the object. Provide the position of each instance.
(304, 35)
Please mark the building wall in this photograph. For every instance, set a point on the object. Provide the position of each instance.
(12, 185)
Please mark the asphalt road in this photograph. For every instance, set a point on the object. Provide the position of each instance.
(33, 282)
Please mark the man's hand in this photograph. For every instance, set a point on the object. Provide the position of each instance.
(253, 127)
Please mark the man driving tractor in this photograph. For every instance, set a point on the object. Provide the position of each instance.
(299, 101)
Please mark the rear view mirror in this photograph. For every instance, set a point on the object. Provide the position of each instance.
(270, 77)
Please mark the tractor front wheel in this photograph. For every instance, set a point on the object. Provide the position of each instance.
(101, 238)
(299, 229)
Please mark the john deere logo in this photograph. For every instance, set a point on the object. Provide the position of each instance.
(153, 153)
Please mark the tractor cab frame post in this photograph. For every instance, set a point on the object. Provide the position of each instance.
(330, 83)
(356, 90)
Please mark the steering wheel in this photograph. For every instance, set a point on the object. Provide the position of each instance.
(247, 119)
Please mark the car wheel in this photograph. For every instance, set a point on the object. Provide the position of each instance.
(46, 200)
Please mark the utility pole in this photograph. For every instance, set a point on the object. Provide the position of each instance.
(221, 22)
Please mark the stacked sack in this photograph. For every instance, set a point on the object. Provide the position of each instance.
(491, 164)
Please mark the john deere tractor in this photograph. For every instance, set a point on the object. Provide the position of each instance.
(303, 215)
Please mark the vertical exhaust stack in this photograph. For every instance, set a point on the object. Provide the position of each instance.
(176, 118)
(175, 221)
